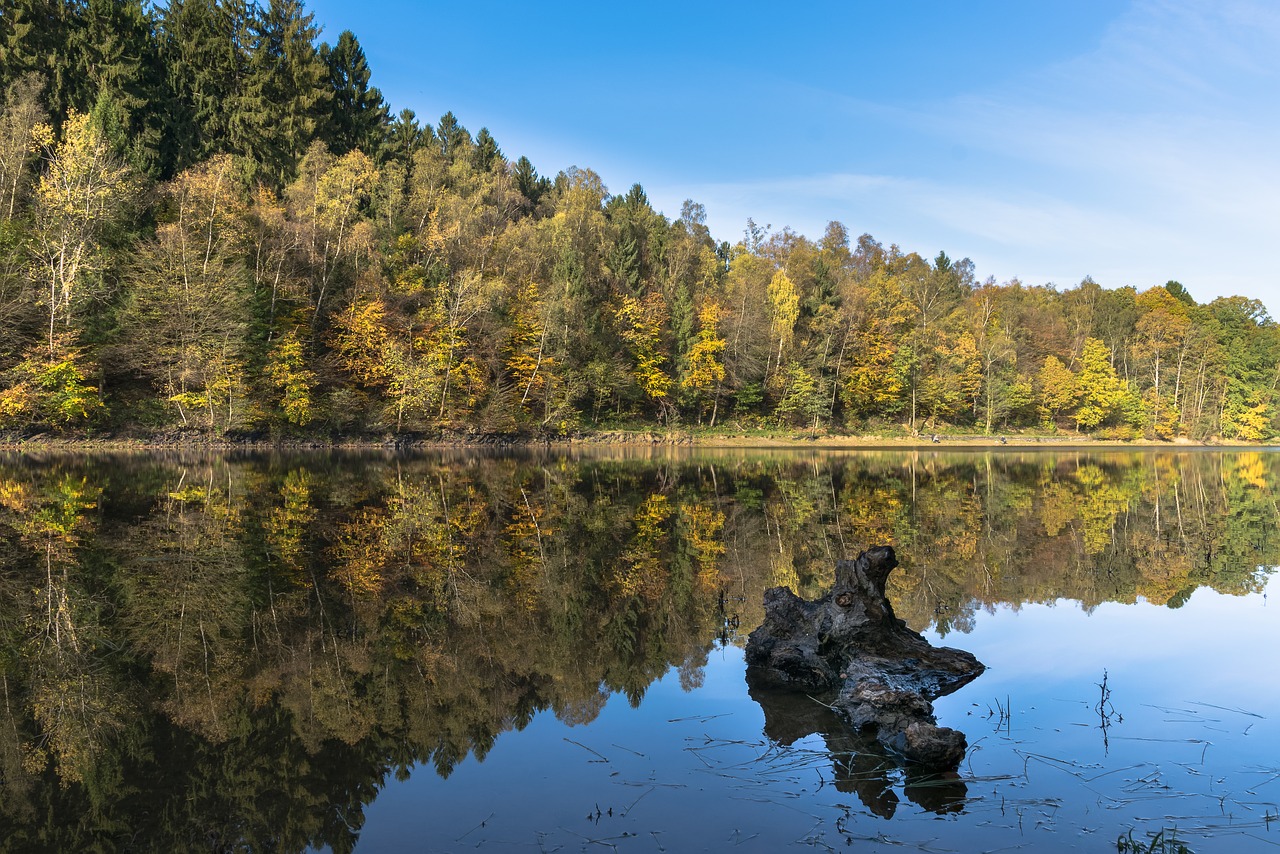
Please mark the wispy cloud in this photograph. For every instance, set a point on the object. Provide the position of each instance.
(1152, 156)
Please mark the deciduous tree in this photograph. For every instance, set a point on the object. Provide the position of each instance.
(83, 189)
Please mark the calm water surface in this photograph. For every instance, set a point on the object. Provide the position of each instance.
(444, 653)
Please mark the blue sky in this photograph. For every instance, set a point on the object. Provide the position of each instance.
(1135, 142)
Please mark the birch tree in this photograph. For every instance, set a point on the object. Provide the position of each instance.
(82, 191)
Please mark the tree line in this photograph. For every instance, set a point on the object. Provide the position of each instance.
(211, 221)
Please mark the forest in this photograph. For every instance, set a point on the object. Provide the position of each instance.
(213, 224)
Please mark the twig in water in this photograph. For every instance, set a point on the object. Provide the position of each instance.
(629, 750)
(1229, 709)
(1106, 710)
(474, 829)
(638, 800)
(602, 758)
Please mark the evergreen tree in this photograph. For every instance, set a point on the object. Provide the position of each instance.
(452, 136)
(357, 114)
(285, 100)
(119, 59)
(486, 153)
(596, 297)
(529, 183)
(405, 137)
(1179, 292)
(204, 50)
(38, 35)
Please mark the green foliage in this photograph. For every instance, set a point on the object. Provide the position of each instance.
(287, 371)
(50, 388)
(804, 401)
(192, 190)
(358, 115)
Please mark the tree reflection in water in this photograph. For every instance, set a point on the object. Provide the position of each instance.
(239, 652)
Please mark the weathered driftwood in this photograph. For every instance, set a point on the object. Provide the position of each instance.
(887, 676)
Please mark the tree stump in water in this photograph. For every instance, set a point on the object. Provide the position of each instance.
(887, 675)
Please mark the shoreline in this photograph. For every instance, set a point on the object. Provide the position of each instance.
(608, 439)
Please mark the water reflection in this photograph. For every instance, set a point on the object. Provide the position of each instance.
(240, 652)
(860, 764)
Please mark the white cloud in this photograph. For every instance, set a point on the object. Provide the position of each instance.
(1151, 157)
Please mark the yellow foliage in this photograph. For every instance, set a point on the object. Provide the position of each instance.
(17, 403)
(705, 525)
(51, 388)
(1250, 468)
(782, 571)
(1058, 507)
(531, 367)
(1248, 422)
(213, 387)
(784, 302)
(82, 187)
(641, 569)
(287, 371)
(524, 545)
(433, 237)
(13, 496)
(642, 324)
(1101, 500)
(287, 524)
(706, 366)
(361, 341)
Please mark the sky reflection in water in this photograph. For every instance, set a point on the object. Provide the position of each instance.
(1191, 746)
(244, 653)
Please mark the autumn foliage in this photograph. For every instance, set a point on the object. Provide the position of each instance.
(308, 265)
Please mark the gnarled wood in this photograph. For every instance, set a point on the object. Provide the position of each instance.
(887, 675)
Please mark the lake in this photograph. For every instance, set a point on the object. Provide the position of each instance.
(452, 651)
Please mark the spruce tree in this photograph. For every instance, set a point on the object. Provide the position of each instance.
(405, 137)
(37, 35)
(204, 49)
(286, 99)
(358, 114)
(486, 152)
(529, 183)
(453, 138)
(118, 57)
